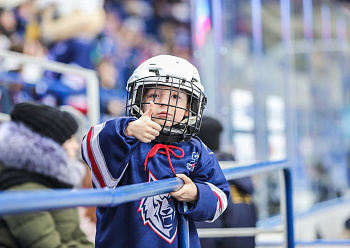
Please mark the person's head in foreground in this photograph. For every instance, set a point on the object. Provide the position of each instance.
(35, 150)
(39, 138)
(174, 86)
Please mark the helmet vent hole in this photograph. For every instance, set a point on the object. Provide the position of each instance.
(155, 71)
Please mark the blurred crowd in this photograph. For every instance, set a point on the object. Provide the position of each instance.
(110, 36)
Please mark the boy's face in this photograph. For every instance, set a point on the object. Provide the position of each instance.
(161, 110)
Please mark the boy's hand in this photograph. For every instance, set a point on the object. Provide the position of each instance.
(144, 129)
(188, 192)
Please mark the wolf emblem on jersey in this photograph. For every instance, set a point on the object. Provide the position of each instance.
(159, 213)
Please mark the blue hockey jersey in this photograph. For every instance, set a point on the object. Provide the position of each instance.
(116, 159)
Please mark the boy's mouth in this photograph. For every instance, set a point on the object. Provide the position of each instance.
(164, 115)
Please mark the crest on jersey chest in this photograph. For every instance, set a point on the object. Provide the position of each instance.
(159, 213)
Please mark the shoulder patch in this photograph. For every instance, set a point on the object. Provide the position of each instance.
(194, 159)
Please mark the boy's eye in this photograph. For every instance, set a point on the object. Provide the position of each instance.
(175, 96)
(153, 95)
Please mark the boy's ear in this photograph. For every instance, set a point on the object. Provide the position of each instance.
(187, 112)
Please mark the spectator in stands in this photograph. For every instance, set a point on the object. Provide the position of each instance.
(36, 148)
(112, 96)
(240, 211)
(346, 231)
(8, 23)
(69, 29)
(5, 100)
(20, 78)
(80, 33)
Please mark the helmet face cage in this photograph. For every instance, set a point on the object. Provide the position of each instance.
(178, 131)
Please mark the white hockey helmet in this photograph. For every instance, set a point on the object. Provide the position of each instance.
(179, 75)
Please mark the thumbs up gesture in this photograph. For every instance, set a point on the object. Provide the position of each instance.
(144, 129)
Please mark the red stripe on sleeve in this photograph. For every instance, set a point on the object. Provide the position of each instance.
(219, 201)
(93, 162)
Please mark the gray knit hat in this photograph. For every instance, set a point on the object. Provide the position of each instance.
(45, 120)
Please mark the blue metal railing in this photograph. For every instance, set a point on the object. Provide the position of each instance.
(15, 202)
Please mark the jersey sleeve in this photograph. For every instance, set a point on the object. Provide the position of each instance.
(213, 189)
(106, 150)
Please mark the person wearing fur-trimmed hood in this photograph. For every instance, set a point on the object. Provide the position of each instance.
(36, 149)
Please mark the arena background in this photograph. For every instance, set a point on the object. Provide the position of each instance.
(275, 73)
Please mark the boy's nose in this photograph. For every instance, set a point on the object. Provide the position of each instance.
(164, 99)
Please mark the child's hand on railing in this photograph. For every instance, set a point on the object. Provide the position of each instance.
(188, 192)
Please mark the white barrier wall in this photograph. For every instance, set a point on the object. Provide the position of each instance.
(327, 222)
(323, 221)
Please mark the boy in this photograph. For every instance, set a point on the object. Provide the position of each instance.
(166, 101)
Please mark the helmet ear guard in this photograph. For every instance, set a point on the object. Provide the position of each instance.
(157, 72)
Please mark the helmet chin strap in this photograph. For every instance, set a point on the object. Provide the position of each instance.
(177, 132)
(191, 121)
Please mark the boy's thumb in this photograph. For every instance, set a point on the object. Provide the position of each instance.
(150, 110)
